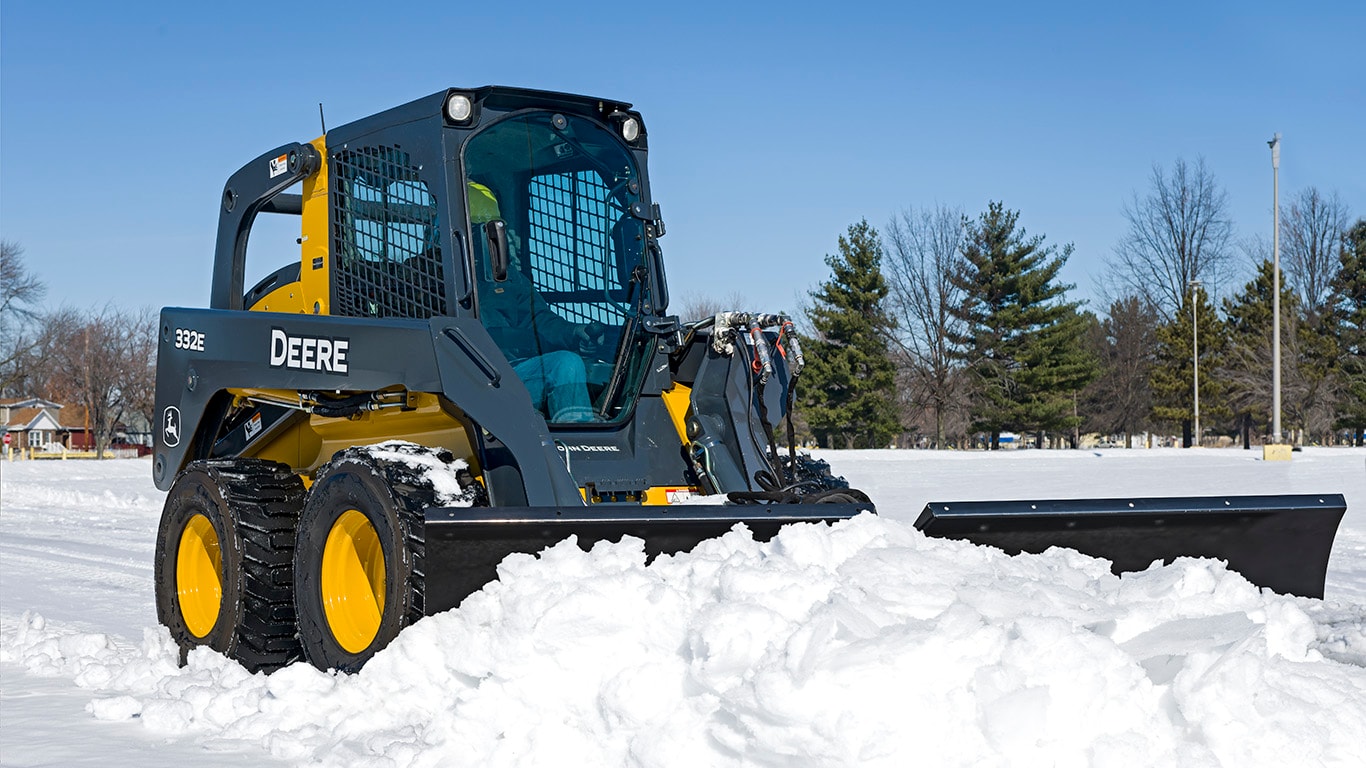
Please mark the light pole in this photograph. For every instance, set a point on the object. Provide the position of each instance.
(1195, 353)
(1275, 145)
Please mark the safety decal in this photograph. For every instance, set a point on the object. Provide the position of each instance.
(253, 426)
(170, 426)
(279, 165)
(678, 495)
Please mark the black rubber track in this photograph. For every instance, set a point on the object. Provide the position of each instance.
(254, 506)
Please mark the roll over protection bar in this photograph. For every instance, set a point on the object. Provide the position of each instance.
(248, 192)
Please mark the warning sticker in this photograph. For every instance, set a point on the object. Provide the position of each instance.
(253, 426)
(279, 165)
(679, 495)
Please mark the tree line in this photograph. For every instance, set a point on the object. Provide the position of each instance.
(944, 330)
(102, 360)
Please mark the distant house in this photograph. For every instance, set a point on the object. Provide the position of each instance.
(39, 424)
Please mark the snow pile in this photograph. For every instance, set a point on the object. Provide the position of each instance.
(861, 644)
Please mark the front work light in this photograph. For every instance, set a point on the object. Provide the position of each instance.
(459, 107)
(630, 129)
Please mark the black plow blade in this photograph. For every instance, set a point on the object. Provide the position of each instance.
(463, 545)
(1278, 542)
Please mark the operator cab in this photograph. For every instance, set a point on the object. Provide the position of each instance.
(526, 209)
(559, 259)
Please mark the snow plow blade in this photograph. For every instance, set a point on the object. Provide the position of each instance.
(1278, 542)
(463, 545)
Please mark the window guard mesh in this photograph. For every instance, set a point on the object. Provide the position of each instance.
(570, 247)
(386, 257)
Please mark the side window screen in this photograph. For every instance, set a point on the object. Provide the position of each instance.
(570, 250)
(386, 258)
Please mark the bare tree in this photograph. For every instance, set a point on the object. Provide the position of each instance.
(103, 362)
(923, 250)
(696, 306)
(20, 292)
(139, 390)
(1120, 399)
(1313, 229)
(1308, 359)
(1179, 232)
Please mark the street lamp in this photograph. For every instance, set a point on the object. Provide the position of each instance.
(1275, 145)
(1195, 353)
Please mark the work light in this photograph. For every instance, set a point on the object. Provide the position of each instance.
(459, 107)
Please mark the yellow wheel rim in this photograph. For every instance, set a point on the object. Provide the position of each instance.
(353, 581)
(198, 579)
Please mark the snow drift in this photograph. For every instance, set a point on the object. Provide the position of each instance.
(859, 644)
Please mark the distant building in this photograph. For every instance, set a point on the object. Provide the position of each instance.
(43, 425)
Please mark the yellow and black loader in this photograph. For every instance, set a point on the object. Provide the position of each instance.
(473, 356)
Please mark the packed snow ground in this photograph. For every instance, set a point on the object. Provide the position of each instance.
(862, 644)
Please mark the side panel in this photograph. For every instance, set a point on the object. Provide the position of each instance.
(477, 377)
(202, 352)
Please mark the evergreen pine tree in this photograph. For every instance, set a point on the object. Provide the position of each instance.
(1308, 357)
(1171, 376)
(1022, 341)
(848, 385)
(1349, 325)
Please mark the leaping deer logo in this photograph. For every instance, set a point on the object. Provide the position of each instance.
(170, 430)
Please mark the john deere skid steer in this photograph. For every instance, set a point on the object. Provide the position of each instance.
(472, 357)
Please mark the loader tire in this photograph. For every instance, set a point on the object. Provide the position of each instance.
(224, 561)
(359, 557)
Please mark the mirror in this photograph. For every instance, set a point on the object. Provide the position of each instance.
(496, 233)
(661, 288)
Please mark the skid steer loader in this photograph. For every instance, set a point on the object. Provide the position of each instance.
(472, 357)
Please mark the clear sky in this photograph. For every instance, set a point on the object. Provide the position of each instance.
(772, 128)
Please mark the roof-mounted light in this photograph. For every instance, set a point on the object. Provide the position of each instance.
(627, 124)
(459, 107)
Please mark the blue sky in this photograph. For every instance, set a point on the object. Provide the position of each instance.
(771, 128)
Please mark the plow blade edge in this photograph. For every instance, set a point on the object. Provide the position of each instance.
(1279, 542)
(463, 545)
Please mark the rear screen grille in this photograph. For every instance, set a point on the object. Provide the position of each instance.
(387, 260)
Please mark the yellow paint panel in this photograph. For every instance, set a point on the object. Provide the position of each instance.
(676, 402)
(286, 298)
(314, 248)
(308, 443)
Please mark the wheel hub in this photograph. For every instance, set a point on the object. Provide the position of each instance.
(353, 581)
(199, 565)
